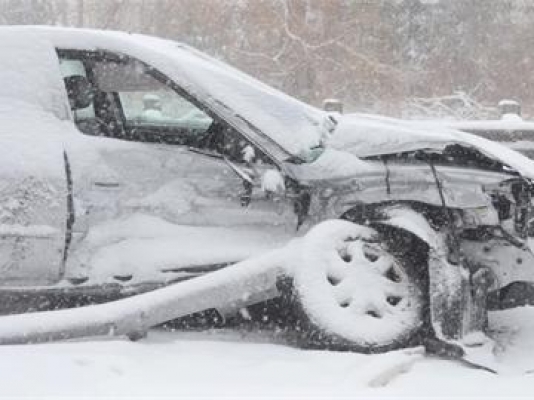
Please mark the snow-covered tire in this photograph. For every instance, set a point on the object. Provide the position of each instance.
(351, 293)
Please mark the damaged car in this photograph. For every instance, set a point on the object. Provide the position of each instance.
(141, 175)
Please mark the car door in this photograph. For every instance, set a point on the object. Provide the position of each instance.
(156, 158)
(33, 182)
(231, 193)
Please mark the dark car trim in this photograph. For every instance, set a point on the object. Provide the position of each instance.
(71, 217)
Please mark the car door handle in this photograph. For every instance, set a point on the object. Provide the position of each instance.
(106, 185)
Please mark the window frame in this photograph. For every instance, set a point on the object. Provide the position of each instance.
(100, 55)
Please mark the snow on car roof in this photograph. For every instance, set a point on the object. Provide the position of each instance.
(28, 65)
(293, 125)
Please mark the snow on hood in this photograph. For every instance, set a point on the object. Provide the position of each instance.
(509, 122)
(291, 124)
(510, 128)
(367, 135)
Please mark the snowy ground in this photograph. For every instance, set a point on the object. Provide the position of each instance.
(231, 363)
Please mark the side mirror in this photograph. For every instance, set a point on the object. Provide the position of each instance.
(79, 91)
(271, 181)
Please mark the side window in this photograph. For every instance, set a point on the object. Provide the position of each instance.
(150, 109)
(162, 107)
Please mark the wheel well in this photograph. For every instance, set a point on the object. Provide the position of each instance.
(515, 294)
(403, 243)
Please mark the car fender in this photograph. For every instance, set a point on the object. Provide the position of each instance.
(449, 286)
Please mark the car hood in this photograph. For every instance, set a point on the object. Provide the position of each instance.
(366, 135)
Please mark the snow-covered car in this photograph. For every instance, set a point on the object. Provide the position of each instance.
(395, 234)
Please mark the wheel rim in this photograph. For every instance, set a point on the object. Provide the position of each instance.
(350, 286)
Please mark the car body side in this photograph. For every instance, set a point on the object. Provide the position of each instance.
(102, 184)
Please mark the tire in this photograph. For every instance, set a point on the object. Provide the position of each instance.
(351, 293)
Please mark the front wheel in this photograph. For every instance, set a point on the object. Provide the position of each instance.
(351, 292)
